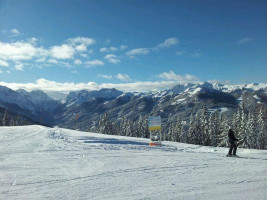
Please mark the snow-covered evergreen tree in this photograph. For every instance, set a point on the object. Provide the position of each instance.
(129, 127)
(204, 126)
(184, 136)
(198, 139)
(242, 128)
(141, 127)
(17, 122)
(192, 130)
(251, 131)
(122, 126)
(102, 126)
(262, 133)
(237, 120)
(223, 131)
(4, 120)
(176, 131)
(171, 132)
(12, 122)
(214, 128)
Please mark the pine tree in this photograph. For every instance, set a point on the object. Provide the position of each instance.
(262, 133)
(198, 130)
(141, 130)
(18, 122)
(12, 122)
(102, 126)
(184, 136)
(110, 128)
(251, 131)
(175, 131)
(192, 130)
(204, 126)
(223, 132)
(242, 128)
(170, 134)
(214, 128)
(237, 120)
(129, 128)
(122, 126)
(4, 120)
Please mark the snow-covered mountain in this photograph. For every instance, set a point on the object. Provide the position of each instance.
(84, 95)
(12, 97)
(179, 101)
(41, 100)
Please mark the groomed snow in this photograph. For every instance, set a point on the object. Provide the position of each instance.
(43, 163)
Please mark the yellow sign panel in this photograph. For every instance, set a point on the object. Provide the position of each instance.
(154, 128)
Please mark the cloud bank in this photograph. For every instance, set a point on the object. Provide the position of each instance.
(48, 85)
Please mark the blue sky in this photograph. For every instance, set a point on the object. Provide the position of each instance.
(131, 45)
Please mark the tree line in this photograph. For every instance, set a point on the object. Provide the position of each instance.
(7, 119)
(204, 128)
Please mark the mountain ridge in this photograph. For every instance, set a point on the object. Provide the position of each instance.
(82, 109)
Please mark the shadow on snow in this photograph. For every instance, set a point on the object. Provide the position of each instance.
(94, 140)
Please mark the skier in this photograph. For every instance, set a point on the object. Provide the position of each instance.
(232, 140)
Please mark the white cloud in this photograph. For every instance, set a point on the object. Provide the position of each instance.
(123, 47)
(19, 67)
(20, 51)
(93, 63)
(84, 55)
(82, 40)
(112, 58)
(176, 77)
(65, 64)
(47, 85)
(41, 60)
(244, 40)
(52, 61)
(32, 40)
(123, 77)
(169, 42)
(62, 52)
(78, 62)
(3, 63)
(104, 49)
(15, 31)
(8, 72)
(81, 47)
(108, 49)
(1, 72)
(105, 76)
(140, 51)
(113, 49)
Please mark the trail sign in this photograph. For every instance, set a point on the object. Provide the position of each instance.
(154, 123)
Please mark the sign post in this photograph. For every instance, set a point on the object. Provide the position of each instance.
(154, 125)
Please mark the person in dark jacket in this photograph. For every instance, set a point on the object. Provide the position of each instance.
(232, 140)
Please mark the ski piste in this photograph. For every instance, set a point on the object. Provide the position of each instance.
(37, 162)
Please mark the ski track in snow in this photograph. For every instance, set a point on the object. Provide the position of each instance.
(51, 163)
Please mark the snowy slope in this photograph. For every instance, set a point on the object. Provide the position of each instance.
(43, 163)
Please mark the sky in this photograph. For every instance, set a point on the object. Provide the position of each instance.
(131, 45)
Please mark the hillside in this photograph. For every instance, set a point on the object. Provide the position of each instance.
(43, 163)
(83, 109)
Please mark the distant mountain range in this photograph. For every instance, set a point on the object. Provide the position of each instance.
(82, 110)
